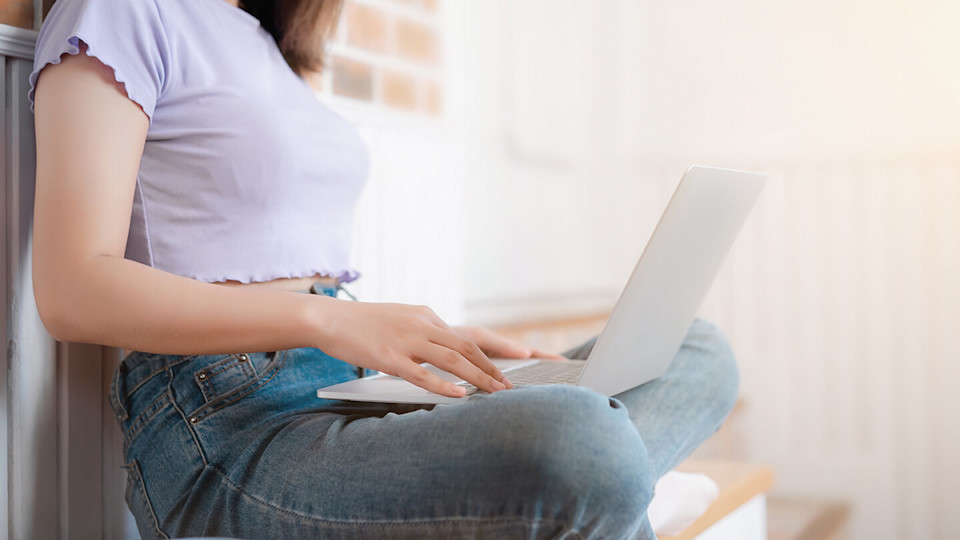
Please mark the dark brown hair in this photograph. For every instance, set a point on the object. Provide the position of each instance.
(300, 28)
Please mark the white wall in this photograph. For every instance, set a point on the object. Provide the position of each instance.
(408, 241)
(530, 92)
(790, 79)
(841, 295)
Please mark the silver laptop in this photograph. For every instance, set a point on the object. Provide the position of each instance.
(654, 312)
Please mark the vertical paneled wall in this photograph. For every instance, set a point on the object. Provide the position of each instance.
(842, 301)
(60, 479)
(5, 297)
(30, 393)
(841, 296)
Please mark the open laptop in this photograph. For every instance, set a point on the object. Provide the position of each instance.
(655, 309)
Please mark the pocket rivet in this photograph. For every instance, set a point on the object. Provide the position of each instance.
(202, 375)
(243, 358)
(193, 419)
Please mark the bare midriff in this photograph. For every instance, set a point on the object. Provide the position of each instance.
(287, 284)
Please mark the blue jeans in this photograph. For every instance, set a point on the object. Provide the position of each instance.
(238, 445)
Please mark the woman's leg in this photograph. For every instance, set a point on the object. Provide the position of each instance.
(678, 411)
(547, 462)
(543, 462)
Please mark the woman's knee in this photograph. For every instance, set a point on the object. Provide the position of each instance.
(579, 453)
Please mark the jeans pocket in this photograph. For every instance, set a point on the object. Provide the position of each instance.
(222, 377)
(220, 380)
(140, 506)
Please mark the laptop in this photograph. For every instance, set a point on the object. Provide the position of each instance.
(654, 311)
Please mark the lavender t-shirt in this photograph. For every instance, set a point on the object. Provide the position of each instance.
(245, 175)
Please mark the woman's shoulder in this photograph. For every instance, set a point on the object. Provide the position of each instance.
(103, 12)
(126, 35)
(153, 19)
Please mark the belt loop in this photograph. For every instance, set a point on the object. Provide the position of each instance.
(323, 290)
(118, 407)
(340, 287)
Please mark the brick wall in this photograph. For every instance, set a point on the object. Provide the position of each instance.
(387, 53)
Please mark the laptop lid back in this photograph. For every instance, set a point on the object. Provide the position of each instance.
(671, 279)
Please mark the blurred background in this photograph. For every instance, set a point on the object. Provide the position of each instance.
(524, 149)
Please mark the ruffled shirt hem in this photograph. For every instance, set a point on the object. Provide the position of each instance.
(345, 276)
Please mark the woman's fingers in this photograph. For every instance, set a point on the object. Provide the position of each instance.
(453, 362)
(418, 375)
(496, 345)
(467, 347)
(394, 338)
(537, 353)
(470, 351)
(493, 344)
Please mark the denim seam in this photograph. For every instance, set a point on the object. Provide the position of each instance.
(118, 409)
(133, 468)
(140, 422)
(153, 374)
(383, 523)
(248, 388)
(196, 442)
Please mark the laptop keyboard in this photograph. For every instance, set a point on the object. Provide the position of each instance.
(545, 372)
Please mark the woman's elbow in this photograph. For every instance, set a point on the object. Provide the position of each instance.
(55, 320)
(53, 309)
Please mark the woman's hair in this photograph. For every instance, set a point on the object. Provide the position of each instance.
(299, 26)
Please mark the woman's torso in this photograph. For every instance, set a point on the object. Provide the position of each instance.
(245, 175)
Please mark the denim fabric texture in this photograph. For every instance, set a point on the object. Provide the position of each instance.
(238, 445)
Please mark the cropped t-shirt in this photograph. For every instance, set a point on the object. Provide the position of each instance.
(245, 174)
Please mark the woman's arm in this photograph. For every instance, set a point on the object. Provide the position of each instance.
(90, 140)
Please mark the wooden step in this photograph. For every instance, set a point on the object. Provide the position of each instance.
(739, 482)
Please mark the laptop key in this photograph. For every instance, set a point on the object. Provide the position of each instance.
(545, 372)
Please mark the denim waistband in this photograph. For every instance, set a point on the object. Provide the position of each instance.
(139, 367)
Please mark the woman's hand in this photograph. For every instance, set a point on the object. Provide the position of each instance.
(396, 338)
(498, 346)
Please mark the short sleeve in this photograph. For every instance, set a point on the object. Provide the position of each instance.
(125, 35)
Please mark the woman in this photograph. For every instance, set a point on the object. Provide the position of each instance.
(189, 187)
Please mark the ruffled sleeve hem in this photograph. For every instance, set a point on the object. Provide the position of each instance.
(71, 46)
